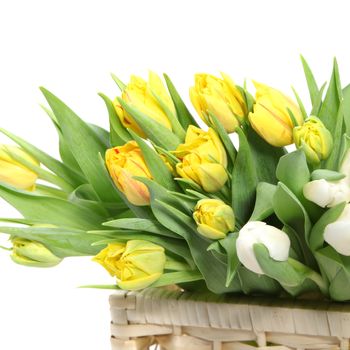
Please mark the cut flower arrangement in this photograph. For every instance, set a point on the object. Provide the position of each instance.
(159, 201)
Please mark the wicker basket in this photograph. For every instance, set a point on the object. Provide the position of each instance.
(177, 320)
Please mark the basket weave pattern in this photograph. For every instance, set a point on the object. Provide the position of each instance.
(179, 320)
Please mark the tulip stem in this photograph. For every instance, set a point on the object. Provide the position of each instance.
(225, 192)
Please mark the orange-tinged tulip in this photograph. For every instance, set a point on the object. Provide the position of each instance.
(125, 162)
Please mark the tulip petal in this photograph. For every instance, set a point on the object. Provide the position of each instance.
(276, 241)
(337, 235)
(212, 176)
(210, 232)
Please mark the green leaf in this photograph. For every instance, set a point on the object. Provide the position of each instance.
(170, 212)
(50, 191)
(138, 224)
(331, 215)
(220, 130)
(51, 210)
(291, 274)
(266, 157)
(85, 147)
(336, 268)
(85, 196)
(229, 244)
(292, 170)
(172, 278)
(63, 242)
(291, 212)
(281, 271)
(175, 124)
(300, 103)
(263, 204)
(244, 180)
(219, 252)
(346, 108)
(344, 149)
(118, 134)
(120, 84)
(185, 117)
(311, 82)
(65, 153)
(248, 98)
(101, 134)
(318, 101)
(100, 286)
(253, 283)
(332, 161)
(60, 169)
(155, 164)
(155, 131)
(330, 106)
(329, 175)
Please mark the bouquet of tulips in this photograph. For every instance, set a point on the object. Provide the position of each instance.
(158, 201)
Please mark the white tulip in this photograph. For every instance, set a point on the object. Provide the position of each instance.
(326, 193)
(276, 241)
(337, 234)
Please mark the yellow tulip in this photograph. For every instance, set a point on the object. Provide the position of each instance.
(214, 218)
(315, 139)
(140, 94)
(125, 162)
(221, 97)
(203, 159)
(136, 264)
(13, 172)
(270, 117)
(31, 253)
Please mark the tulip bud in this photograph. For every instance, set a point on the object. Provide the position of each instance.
(315, 140)
(203, 159)
(214, 218)
(276, 241)
(140, 94)
(327, 193)
(270, 117)
(123, 163)
(31, 253)
(136, 264)
(221, 97)
(13, 172)
(337, 234)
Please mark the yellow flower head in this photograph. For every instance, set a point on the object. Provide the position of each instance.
(31, 253)
(141, 95)
(13, 172)
(221, 97)
(315, 139)
(270, 117)
(214, 218)
(123, 163)
(136, 264)
(203, 159)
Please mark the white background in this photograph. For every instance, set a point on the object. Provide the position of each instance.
(70, 47)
